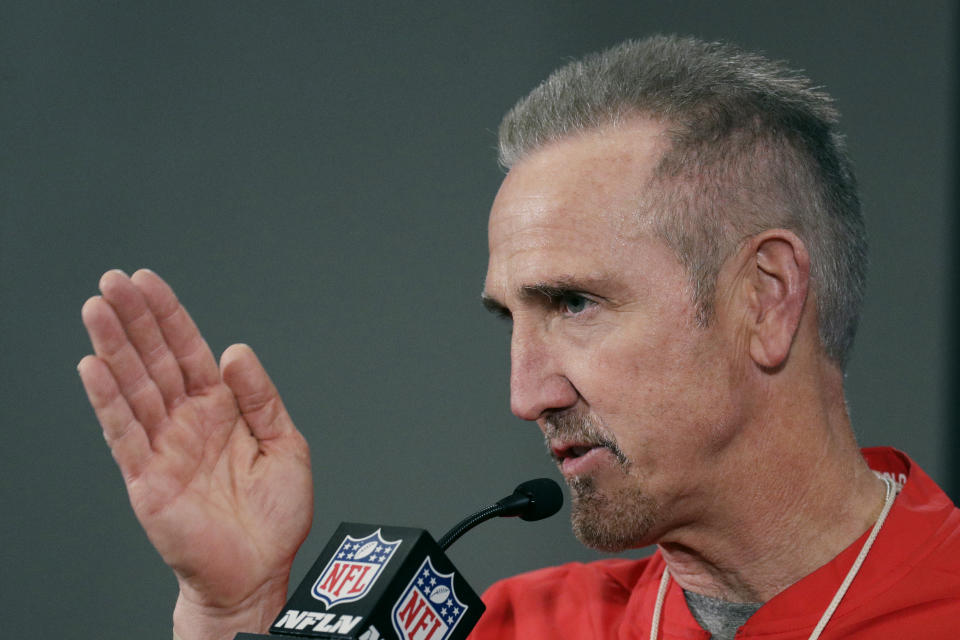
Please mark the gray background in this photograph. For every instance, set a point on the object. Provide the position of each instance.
(313, 179)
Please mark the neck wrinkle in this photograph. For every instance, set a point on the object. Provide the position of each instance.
(745, 555)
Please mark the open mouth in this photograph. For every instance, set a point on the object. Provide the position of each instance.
(581, 458)
(561, 452)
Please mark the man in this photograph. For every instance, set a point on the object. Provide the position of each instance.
(679, 247)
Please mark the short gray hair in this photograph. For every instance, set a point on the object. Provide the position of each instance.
(754, 146)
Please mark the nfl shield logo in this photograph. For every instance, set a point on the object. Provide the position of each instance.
(429, 608)
(354, 567)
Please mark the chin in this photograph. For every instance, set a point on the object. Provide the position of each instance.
(613, 520)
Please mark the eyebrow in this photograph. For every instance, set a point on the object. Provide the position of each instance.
(493, 306)
(562, 285)
(547, 289)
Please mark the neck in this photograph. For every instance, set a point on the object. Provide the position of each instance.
(773, 520)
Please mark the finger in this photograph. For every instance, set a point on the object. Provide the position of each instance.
(111, 344)
(144, 334)
(196, 361)
(256, 396)
(124, 435)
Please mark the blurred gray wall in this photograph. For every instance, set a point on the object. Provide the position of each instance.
(313, 179)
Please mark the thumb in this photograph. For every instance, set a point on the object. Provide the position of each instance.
(257, 398)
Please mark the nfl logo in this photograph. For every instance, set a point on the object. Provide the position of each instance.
(354, 567)
(428, 609)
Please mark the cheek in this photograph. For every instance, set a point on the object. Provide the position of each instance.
(630, 381)
(664, 395)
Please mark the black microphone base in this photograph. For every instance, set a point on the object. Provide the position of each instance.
(376, 582)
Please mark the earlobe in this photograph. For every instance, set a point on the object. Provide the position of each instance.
(779, 281)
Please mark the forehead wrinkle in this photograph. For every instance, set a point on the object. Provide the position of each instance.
(611, 181)
(626, 152)
(565, 233)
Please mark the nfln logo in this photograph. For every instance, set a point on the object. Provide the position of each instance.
(354, 567)
(429, 608)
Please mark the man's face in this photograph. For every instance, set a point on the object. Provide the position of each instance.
(634, 399)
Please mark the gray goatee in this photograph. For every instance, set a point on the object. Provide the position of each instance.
(606, 520)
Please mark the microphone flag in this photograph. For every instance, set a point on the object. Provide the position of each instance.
(379, 582)
(353, 569)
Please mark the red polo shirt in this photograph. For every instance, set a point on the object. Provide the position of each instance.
(908, 587)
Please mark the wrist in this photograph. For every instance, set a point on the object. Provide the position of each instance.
(195, 620)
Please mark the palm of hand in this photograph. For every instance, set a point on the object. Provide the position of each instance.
(226, 511)
(216, 472)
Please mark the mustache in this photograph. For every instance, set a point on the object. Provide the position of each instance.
(580, 427)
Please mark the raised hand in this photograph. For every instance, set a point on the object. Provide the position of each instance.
(216, 472)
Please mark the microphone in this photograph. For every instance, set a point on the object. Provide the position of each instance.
(531, 500)
(379, 582)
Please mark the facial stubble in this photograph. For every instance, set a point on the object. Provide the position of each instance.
(604, 518)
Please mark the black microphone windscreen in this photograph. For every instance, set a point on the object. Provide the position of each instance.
(545, 495)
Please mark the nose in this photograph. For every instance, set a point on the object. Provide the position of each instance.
(537, 380)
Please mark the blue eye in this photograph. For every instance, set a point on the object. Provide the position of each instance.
(574, 303)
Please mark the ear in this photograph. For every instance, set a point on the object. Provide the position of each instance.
(778, 283)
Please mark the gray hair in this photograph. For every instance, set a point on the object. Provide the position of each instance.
(754, 146)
